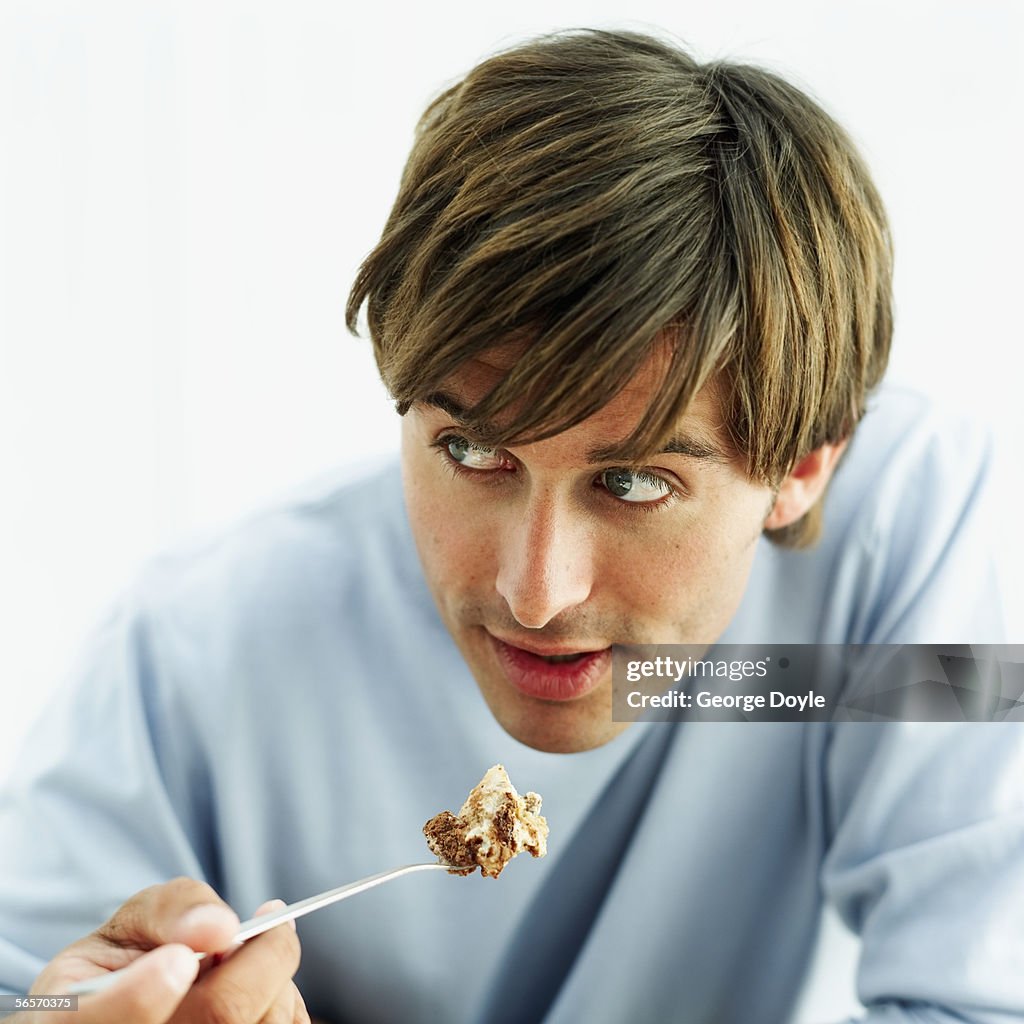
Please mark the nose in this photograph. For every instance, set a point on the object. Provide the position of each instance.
(545, 562)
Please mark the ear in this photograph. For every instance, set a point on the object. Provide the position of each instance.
(804, 485)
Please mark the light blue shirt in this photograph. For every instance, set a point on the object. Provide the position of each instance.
(278, 709)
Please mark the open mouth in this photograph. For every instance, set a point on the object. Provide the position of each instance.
(554, 677)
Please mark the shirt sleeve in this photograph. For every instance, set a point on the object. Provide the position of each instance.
(105, 798)
(926, 820)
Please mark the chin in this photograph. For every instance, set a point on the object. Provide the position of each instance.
(558, 728)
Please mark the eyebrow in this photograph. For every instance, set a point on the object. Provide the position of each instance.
(448, 403)
(679, 444)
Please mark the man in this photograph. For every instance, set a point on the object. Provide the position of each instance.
(632, 310)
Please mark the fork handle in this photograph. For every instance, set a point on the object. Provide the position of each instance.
(258, 925)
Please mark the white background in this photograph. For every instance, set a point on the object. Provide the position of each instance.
(186, 191)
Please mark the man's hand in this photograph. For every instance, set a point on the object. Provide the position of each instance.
(155, 933)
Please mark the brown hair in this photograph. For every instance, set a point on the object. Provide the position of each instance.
(597, 193)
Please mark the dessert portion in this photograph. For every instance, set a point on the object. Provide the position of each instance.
(492, 826)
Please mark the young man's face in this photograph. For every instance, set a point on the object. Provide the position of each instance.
(544, 550)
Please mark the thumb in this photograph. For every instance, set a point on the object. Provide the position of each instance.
(148, 991)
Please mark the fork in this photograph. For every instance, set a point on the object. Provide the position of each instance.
(257, 925)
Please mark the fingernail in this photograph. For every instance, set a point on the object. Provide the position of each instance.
(181, 967)
(273, 906)
(206, 915)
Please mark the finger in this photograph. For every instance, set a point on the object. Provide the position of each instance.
(270, 907)
(282, 1011)
(148, 992)
(183, 910)
(246, 985)
(301, 1014)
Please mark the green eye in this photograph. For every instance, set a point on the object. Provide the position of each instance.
(634, 486)
(470, 455)
(458, 448)
(618, 481)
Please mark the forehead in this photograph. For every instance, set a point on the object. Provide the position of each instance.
(701, 431)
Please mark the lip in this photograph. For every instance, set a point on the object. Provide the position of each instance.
(526, 669)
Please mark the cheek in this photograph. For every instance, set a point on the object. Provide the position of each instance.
(452, 549)
(452, 556)
(694, 575)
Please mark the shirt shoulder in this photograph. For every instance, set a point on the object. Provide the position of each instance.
(334, 560)
(904, 555)
(908, 448)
